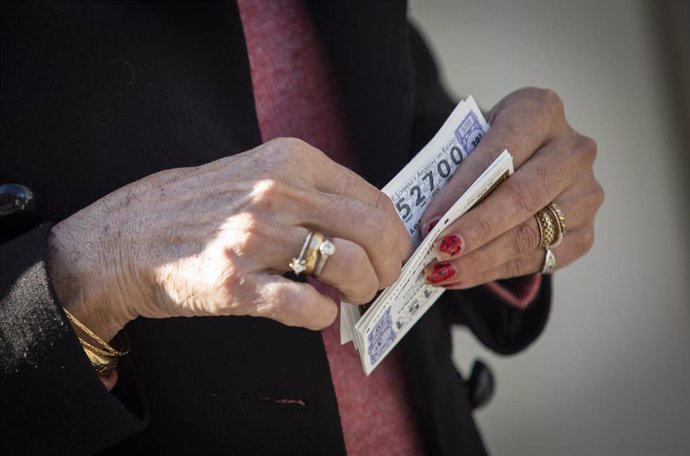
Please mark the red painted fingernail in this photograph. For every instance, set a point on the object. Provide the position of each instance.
(441, 272)
(451, 245)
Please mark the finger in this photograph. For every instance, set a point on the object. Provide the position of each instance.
(525, 237)
(576, 244)
(518, 198)
(339, 182)
(350, 272)
(522, 123)
(286, 301)
(383, 237)
(349, 269)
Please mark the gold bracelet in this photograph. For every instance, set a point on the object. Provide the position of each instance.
(105, 358)
(102, 364)
(106, 348)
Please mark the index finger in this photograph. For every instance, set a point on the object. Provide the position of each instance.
(345, 205)
(332, 178)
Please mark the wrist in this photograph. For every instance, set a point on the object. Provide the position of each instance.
(83, 284)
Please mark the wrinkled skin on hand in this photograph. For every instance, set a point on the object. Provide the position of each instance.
(217, 239)
(500, 237)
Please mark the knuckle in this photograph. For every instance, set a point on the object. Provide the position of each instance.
(586, 241)
(361, 281)
(278, 149)
(302, 150)
(381, 233)
(551, 99)
(587, 148)
(599, 195)
(475, 261)
(471, 265)
(247, 233)
(269, 308)
(516, 267)
(481, 228)
(268, 192)
(527, 195)
(512, 268)
(525, 237)
(299, 159)
(229, 283)
(593, 197)
(288, 151)
(351, 259)
(289, 145)
(277, 305)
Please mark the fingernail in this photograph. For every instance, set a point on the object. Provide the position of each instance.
(430, 225)
(450, 246)
(440, 272)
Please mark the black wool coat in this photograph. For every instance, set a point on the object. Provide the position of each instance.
(95, 95)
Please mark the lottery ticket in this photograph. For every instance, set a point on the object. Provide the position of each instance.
(413, 188)
(397, 308)
(402, 304)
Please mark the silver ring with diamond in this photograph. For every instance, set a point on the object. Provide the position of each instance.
(549, 261)
(326, 249)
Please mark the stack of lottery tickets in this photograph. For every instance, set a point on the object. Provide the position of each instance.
(397, 308)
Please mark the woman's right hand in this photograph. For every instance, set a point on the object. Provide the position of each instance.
(216, 239)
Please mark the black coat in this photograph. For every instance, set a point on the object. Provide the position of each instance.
(97, 95)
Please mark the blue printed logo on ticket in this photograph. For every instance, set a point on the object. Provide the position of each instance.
(381, 337)
(469, 133)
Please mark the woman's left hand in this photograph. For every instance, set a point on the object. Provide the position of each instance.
(500, 237)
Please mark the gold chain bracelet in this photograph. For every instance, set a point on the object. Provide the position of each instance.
(104, 358)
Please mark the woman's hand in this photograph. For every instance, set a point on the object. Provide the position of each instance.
(216, 239)
(500, 237)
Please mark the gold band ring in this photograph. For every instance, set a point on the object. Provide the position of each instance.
(547, 227)
(559, 218)
(312, 255)
(552, 225)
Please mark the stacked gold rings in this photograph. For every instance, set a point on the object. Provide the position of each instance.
(552, 227)
(316, 250)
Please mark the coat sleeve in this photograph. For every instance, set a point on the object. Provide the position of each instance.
(499, 326)
(52, 400)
